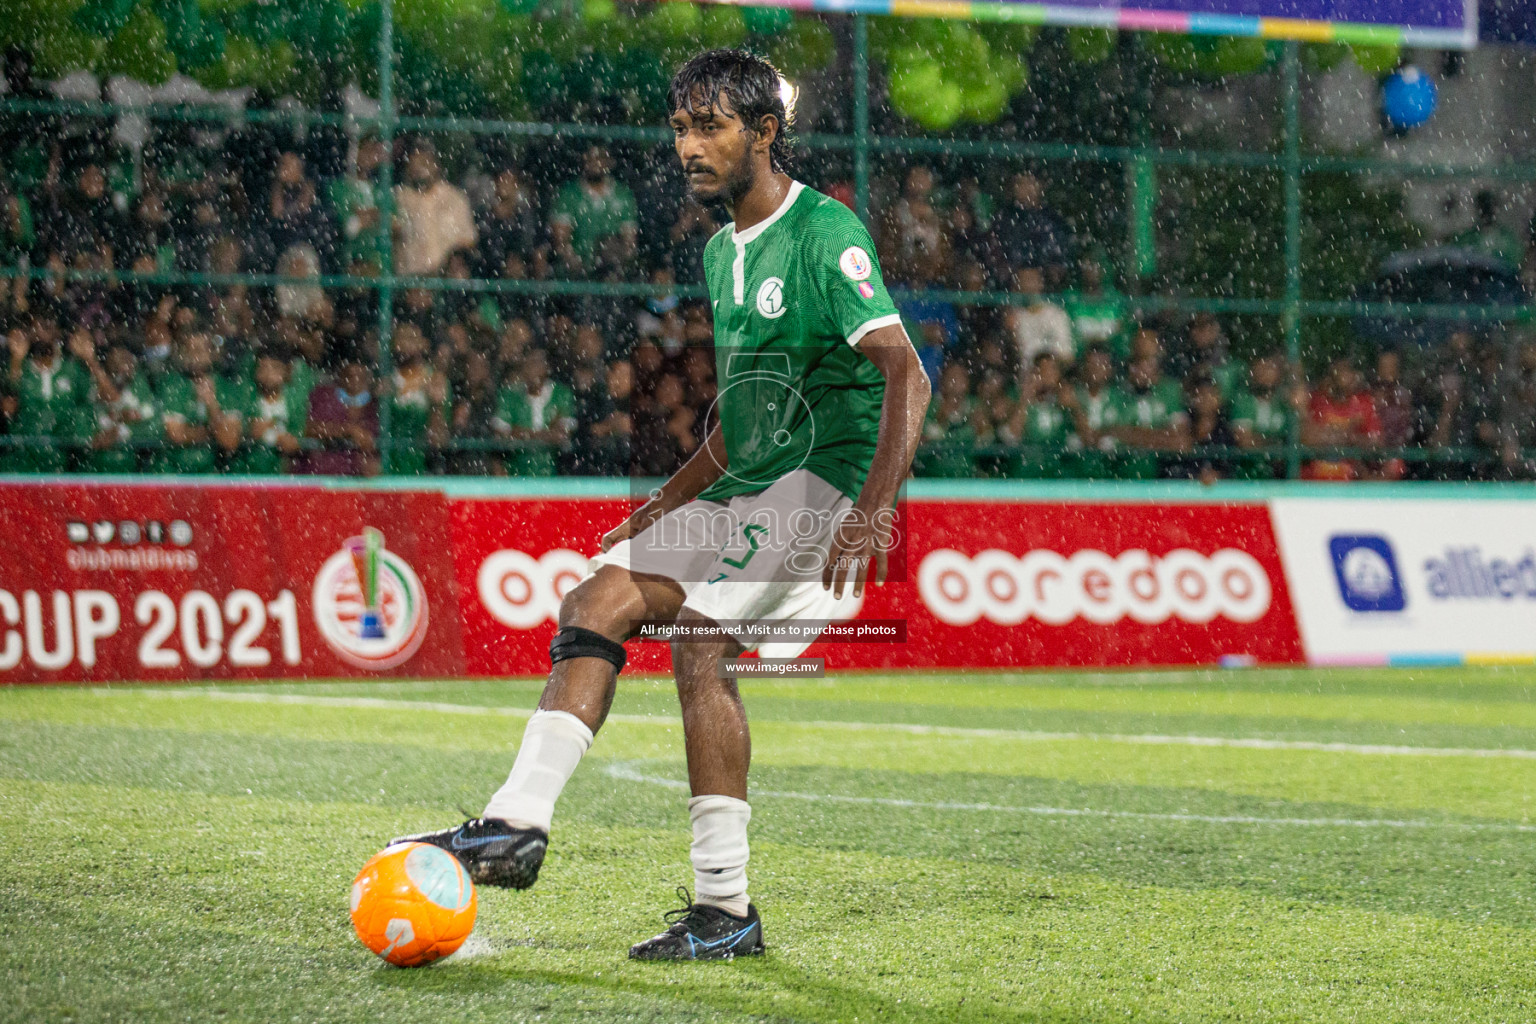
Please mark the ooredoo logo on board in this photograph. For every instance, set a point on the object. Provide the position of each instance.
(520, 591)
(1009, 583)
(1093, 585)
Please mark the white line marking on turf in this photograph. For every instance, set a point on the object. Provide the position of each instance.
(1146, 739)
(627, 772)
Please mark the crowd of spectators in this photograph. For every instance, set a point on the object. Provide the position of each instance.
(105, 374)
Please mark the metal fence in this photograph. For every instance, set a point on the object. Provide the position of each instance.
(1287, 163)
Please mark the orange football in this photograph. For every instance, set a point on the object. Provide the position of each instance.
(412, 904)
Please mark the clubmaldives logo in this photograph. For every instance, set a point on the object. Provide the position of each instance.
(370, 606)
(1054, 589)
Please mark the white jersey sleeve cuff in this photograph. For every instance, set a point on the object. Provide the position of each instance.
(874, 325)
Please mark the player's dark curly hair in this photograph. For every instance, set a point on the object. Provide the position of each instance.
(750, 85)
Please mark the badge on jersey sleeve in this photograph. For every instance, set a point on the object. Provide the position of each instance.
(855, 262)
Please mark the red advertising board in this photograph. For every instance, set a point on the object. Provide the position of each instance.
(103, 582)
(1020, 584)
(515, 559)
(183, 581)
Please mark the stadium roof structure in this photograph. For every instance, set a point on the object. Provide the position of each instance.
(1437, 24)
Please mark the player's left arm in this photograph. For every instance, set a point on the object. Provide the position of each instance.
(847, 277)
(864, 537)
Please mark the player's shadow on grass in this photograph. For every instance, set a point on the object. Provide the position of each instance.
(740, 988)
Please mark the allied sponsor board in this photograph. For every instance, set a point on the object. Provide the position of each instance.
(233, 581)
(1411, 581)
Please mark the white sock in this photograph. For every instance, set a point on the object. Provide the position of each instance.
(552, 747)
(720, 851)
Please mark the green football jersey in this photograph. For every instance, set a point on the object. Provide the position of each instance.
(1097, 319)
(53, 401)
(284, 414)
(1104, 410)
(132, 418)
(793, 296)
(516, 408)
(1269, 419)
(1046, 424)
(177, 400)
(1156, 408)
(409, 415)
(594, 217)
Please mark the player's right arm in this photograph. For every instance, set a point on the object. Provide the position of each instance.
(705, 467)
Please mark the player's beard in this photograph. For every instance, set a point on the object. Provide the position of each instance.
(739, 182)
(729, 187)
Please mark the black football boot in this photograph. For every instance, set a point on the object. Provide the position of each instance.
(702, 932)
(493, 852)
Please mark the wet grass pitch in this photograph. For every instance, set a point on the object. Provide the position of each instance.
(1186, 846)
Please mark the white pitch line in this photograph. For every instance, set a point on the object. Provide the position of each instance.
(626, 771)
(1025, 735)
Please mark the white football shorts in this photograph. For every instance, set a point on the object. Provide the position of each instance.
(755, 559)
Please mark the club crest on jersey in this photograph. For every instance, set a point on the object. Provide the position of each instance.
(770, 298)
(855, 262)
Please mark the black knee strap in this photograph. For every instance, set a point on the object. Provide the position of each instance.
(576, 642)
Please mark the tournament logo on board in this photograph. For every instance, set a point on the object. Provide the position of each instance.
(369, 604)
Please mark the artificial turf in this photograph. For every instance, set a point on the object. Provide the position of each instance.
(1041, 847)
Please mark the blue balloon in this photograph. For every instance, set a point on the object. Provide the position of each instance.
(1408, 97)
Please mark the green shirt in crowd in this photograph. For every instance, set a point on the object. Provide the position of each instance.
(947, 443)
(594, 216)
(131, 419)
(516, 409)
(178, 402)
(1104, 410)
(286, 413)
(302, 377)
(53, 401)
(1229, 375)
(351, 198)
(1267, 419)
(16, 237)
(1270, 420)
(1157, 408)
(409, 413)
(1047, 430)
(1097, 320)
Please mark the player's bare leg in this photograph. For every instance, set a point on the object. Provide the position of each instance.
(720, 922)
(611, 602)
(505, 845)
(715, 730)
